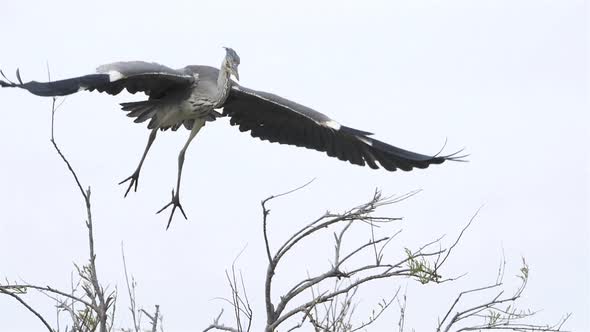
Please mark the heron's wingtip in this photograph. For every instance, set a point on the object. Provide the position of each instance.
(18, 76)
(2, 83)
(455, 156)
(8, 83)
(458, 156)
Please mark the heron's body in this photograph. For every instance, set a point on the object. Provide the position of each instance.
(182, 105)
(190, 96)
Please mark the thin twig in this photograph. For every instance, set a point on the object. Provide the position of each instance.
(50, 290)
(130, 291)
(21, 301)
(102, 305)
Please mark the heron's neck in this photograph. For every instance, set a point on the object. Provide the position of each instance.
(223, 85)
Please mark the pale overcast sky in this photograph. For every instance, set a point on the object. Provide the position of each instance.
(505, 79)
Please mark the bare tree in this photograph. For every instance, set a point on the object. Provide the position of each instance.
(328, 300)
(89, 305)
(498, 313)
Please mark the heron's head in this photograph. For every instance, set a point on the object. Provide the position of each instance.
(232, 61)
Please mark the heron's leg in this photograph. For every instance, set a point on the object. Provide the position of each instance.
(135, 176)
(175, 202)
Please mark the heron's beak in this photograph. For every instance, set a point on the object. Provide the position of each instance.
(234, 71)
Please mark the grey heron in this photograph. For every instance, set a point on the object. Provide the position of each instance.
(192, 96)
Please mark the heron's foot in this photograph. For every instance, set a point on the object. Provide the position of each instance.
(175, 203)
(133, 180)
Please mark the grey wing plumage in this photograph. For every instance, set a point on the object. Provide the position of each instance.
(276, 119)
(152, 78)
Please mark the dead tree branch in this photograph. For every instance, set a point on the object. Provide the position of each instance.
(26, 305)
(89, 272)
(337, 302)
(97, 304)
(495, 317)
(239, 302)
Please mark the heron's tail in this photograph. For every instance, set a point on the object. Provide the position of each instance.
(141, 110)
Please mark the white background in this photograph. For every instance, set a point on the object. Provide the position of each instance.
(505, 79)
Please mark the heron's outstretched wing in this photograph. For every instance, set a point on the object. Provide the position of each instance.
(151, 78)
(275, 119)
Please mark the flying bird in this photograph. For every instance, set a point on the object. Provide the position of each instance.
(191, 96)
